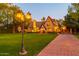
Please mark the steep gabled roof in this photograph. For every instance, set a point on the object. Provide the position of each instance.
(55, 22)
(38, 24)
(28, 13)
(31, 25)
(52, 20)
(42, 25)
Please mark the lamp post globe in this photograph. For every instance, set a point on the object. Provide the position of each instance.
(20, 16)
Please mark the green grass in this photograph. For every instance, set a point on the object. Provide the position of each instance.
(10, 44)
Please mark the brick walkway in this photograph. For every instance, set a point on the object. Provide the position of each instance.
(63, 45)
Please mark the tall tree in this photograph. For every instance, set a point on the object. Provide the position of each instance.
(43, 19)
(13, 9)
(72, 18)
(7, 14)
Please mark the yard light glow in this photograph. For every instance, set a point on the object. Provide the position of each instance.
(64, 28)
(20, 17)
(28, 17)
(55, 28)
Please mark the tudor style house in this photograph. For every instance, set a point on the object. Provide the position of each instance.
(44, 26)
(49, 25)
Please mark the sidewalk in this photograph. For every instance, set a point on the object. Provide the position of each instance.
(63, 45)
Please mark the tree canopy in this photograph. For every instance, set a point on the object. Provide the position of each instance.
(7, 14)
(72, 17)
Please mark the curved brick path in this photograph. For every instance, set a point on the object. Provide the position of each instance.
(63, 45)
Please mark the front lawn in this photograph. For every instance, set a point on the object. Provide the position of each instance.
(10, 44)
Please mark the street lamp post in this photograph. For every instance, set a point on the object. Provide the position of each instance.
(23, 51)
(20, 16)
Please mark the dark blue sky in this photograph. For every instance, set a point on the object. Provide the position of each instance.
(38, 10)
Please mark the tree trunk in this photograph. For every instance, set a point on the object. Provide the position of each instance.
(13, 29)
(71, 30)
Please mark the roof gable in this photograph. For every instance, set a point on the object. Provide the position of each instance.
(49, 18)
(31, 25)
(38, 24)
(42, 26)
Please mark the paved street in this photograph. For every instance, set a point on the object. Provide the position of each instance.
(63, 45)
